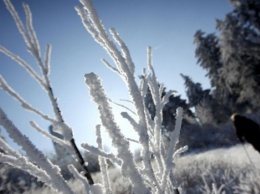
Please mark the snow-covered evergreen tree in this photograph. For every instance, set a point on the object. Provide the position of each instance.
(207, 109)
(232, 59)
(208, 54)
(209, 58)
(194, 91)
(197, 99)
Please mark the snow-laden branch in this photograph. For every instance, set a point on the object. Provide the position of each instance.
(47, 61)
(156, 96)
(101, 153)
(103, 164)
(53, 138)
(7, 149)
(22, 163)
(30, 38)
(35, 155)
(148, 130)
(125, 51)
(95, 27)
(110, 66)
(171, 151)
(29, 25)
(135, 125)
(123, 106)
(33, 46)
(18, 23)
(129, 168)
(81, 178)
(165, 98)
(23, 64)
(4, 85)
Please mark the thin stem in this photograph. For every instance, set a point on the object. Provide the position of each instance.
(82, 162)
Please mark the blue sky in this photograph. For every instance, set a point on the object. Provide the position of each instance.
(168, 26)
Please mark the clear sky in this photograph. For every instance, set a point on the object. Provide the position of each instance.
(167, 25)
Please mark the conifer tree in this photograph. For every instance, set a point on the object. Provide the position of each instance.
(207, 109)
(194, 91)
(232, 58)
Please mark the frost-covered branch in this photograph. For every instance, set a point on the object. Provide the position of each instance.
(129, 168)
(103, 164)
(30, 38)
(156, 95)
(18, 22)
(169, 165)
(33, 46)
(53, 138)
(23, 63)
(125, 107)
(22, 163)
(7, 149)
(4, 85)
(148, 130)
(135, 125)
(110, 66)
(35, 155)
(101, 153)
(78, 176)
(94, 26)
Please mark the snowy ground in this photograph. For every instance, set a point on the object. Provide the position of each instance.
(229, 169)
(232, 170)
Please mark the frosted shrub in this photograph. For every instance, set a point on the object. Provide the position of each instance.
(151, 176)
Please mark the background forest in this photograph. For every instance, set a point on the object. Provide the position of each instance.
(215, 162)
